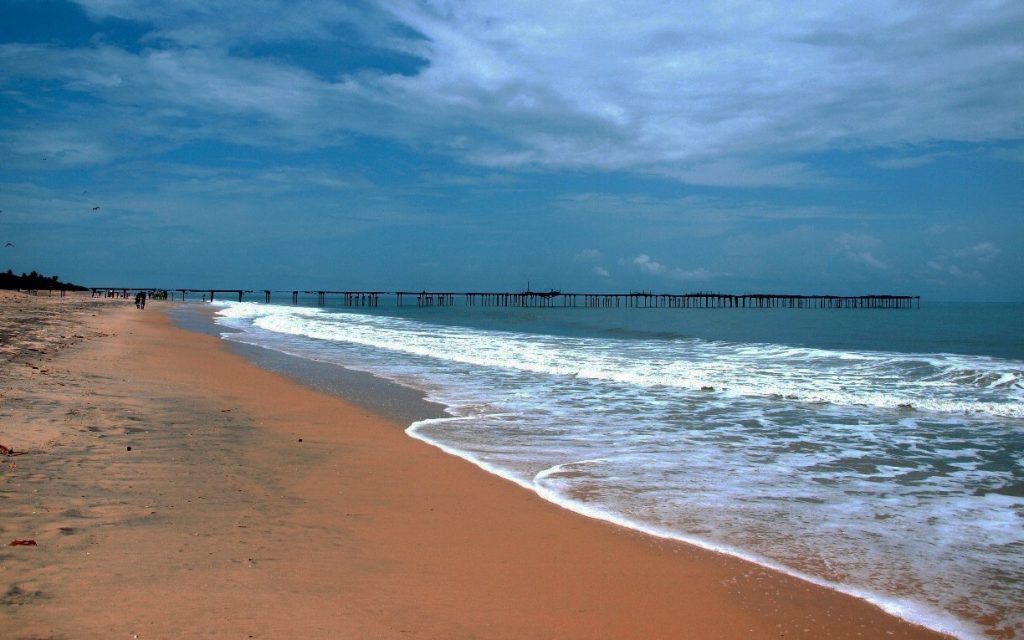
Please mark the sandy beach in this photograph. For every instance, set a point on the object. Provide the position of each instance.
(174, 490)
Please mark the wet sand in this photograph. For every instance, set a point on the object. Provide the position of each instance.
(249, 506)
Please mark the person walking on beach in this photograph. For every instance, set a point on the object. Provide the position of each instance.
(142, 299)
(138, 300)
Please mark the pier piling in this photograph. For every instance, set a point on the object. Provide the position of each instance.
(553, 298)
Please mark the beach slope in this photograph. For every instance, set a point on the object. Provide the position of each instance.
(175, 490)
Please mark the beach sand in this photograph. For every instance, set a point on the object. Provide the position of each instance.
(249, 506)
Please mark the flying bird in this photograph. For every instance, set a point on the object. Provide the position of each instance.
(9, 244)
(96, 208)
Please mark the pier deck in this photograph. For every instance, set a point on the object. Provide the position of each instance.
(643, 299)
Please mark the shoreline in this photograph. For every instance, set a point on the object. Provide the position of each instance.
(906, 610)
(384, 397)
(221, 520)
(293, 366)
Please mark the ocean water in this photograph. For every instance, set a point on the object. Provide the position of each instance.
(877, 452)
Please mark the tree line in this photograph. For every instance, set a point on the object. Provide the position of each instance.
(11, 280)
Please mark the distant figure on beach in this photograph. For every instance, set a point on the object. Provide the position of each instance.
(140, 300)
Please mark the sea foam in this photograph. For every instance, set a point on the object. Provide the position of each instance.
(894, 477)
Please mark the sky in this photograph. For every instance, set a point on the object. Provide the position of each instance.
(799, 147)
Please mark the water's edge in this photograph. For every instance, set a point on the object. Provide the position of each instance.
(410, 406)
(906, 609)
(399, 403)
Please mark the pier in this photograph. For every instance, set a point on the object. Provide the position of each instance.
(698, 300)
(553, 298)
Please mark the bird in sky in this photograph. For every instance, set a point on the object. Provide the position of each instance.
(96, 208)
(9, 244)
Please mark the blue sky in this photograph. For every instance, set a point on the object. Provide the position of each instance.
(811, 147)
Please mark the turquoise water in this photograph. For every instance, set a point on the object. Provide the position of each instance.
(992, 329)
(878, 452)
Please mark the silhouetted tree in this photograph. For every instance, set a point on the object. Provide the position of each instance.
(35, 280)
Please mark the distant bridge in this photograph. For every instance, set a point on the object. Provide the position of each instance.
(552, 298)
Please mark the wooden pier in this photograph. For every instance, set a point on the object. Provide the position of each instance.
(49, 291)
(239, 292)
(542, 299)
(645, 299)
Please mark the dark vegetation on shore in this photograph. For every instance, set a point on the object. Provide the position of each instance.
(37, 281)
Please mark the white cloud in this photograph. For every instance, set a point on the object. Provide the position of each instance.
(910, 162)
(219, 23)
(983, 252)
(945, 268)
(859, 248)
(964, 264)
(694, 208)
(589, 255)
(691, 88)
(695, 274)
(595, 259)
(709, 93)
(736, 172)
(646, 264)
(168, 97)
(865, 258)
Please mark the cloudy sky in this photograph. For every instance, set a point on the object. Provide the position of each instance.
(843, 147)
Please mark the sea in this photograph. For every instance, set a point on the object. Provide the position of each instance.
(876, 452)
